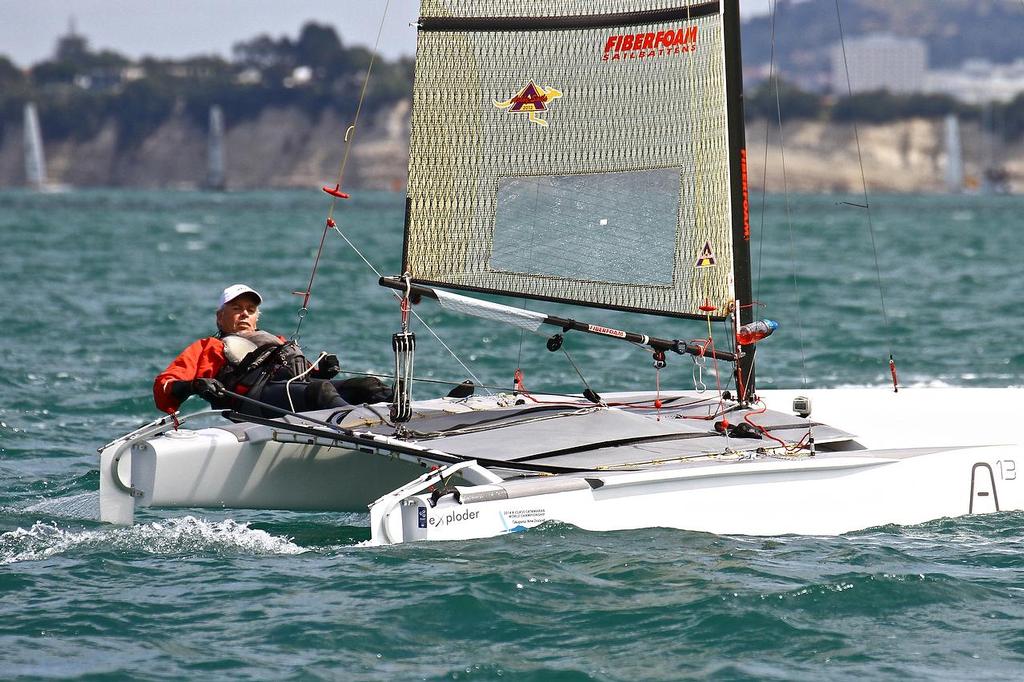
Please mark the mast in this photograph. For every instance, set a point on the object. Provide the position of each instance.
(738, 180)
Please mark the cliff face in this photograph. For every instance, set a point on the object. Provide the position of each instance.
(905, 156)
(285, 148)
(280, 148)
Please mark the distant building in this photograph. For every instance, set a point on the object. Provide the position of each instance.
(249, 76)
(880, 62)
(301, 75)
(72, 47)
(978, 81)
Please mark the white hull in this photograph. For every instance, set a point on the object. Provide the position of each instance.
(928, 459)
(211, 468)
(825, 495)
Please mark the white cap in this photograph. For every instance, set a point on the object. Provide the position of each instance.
(236, 290)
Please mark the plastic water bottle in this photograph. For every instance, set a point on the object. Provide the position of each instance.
(755, 331)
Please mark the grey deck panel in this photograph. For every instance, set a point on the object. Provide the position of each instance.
(518, 440)
(584, 436)
(500, 417)
(665, 450)
(646, 454)
(613, 437)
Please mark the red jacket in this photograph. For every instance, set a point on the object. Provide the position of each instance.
(201, 360)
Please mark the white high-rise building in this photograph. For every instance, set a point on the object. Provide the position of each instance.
(880, 62)
(978, 81)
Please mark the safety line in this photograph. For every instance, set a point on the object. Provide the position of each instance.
(864, 185)
(789, 217)
(426, 326)
(349, 136)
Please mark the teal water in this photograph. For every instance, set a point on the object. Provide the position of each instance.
(100, 289)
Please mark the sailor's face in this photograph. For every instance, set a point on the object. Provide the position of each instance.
(240, 314)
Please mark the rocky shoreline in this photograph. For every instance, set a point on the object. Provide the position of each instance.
(286, 148)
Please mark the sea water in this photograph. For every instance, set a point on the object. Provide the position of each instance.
(100, 290)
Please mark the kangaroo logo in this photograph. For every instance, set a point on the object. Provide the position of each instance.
(533, 100)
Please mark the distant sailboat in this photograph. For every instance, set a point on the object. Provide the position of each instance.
(954, 156)
(215, 176)
(35, 161)
(995, 178)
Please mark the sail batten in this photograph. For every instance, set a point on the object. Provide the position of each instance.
(585, 164)
(556, 22)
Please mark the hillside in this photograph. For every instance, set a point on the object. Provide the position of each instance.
(953, 30)
(110, 122)
(290, 148)
(278, 148)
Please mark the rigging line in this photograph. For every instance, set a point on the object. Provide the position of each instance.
(864, 185)
(697, 153)
(582, 378)
(789, 221)
(764, 171)
(426, 326)
(301, 375)
(451, 382)
(522, 339)
(349, 136)
(490, 425)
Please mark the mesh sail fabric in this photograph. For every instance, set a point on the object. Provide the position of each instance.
(516, 317)
(582, 160)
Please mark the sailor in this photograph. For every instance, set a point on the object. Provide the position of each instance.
(246, 360)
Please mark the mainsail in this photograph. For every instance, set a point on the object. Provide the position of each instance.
(578, 151)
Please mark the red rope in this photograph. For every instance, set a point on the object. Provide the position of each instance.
(764, 408)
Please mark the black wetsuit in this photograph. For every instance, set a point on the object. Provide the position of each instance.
(264, 374)
(319, 394)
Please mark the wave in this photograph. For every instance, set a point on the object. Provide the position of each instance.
(175, 537)
(82, 506)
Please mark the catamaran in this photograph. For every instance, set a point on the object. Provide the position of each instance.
(589, 153)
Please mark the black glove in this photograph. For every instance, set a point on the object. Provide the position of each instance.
(328, 367)
(208, 388)
(181, 390)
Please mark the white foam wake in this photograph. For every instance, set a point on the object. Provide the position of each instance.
(184, 536)
(81, 506)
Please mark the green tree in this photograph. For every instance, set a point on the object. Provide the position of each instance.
(140, 109)
(54, 73)
(871, 107)
(1013, 117)
(768, 98)
(883, 106)
(72, 48)
(318, 46)
(14, 91)
(10, 75)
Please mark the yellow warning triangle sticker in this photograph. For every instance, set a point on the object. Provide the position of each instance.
(707, 256)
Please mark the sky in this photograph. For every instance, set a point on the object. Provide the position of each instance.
(187, 28)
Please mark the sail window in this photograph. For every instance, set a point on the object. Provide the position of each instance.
(602, 227)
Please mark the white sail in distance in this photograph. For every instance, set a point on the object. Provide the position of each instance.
(35, 160)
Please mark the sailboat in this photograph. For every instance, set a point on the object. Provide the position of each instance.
(216, 178)
(35, 160)
(589, 154)
(954, 156)
(36, 176)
